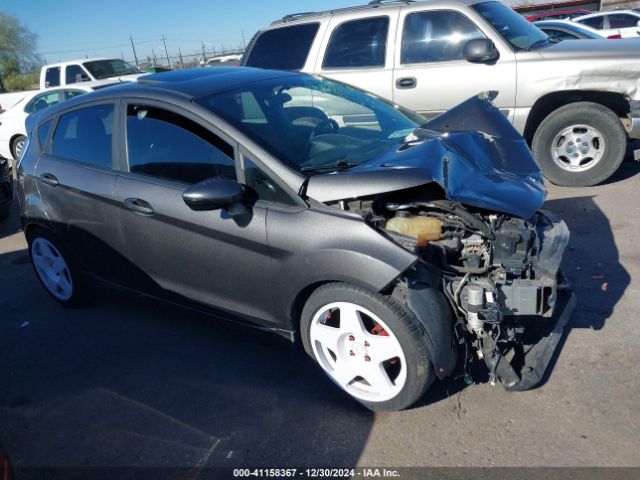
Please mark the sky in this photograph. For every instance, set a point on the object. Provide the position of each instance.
(70, 29)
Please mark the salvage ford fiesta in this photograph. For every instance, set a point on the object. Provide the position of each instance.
(394, 249)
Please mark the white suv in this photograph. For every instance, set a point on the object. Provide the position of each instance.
(98, 70)
(576, 103)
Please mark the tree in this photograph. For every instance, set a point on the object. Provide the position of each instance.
(17, 48)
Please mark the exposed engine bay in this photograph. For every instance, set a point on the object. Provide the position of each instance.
(499, 273)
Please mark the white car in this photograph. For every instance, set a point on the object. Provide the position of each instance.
(12, 128)
(613, 23)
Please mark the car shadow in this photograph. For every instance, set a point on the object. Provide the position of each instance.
(129, 381)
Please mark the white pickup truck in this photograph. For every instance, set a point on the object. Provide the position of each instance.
(87, 70)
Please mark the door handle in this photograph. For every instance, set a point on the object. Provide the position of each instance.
(138, 206)
(49, 179)
(406, 82)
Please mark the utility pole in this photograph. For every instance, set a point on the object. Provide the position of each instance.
(155, 60)
(165, 51)
(134, 51)
(244, 43)
(180, 54)
(204, 59)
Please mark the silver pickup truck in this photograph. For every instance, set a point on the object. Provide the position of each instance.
(576, 103)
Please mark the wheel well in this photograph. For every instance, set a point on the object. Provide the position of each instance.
(300, 301)
(29, 228)
(552, 101)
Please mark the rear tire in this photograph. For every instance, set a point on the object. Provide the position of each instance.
(580, 144)
(56, 269)
(17, 145)
(368, 344)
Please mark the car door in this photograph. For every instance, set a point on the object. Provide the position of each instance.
(76, 178)
(431, 75)
(208, 257)
(359, 51)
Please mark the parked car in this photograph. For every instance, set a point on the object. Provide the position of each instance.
(324, 211)
(224, 60)
(568, 30)
(613, 23)
(557, 15)
(576, 103)
(6, 187)
(12, 129)
(101, 70)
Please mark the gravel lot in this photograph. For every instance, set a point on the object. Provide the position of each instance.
(128, 381)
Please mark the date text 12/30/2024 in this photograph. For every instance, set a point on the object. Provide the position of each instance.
(315, 473)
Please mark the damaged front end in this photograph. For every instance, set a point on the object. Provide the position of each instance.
(479, 236)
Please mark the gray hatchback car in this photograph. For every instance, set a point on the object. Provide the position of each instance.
(311, 209)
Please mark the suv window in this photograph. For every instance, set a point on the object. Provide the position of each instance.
(436, 36)
(358, 43)
(85, 135)
(52, 77)
(593, 22)
(75, 74)
(283, 48)
(166, 145)
(622, 20)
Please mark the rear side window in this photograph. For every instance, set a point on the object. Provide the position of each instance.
(284, 48)
(85, 135)
(436, 36)
(358, 43)
(166, 145)
(43, 134)
(621, 20)
(593, 22)
(52, 77)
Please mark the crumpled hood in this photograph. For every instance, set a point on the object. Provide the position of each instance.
(471, 151)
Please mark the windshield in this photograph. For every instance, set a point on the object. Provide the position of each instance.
(314, 125)
(519, 32)
(100, 69)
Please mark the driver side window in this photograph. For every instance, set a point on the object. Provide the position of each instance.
(166, 145)
(436, 36)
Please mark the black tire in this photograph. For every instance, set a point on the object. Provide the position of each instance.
(580, 113)
(14, 143)
(77, 279)
(409, 332)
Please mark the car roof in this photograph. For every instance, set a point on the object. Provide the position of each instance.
(609, 12)
(191, 83)
(378, 5)
(80, 60)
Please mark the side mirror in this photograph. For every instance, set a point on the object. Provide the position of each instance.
(213, 194)
(480, 50)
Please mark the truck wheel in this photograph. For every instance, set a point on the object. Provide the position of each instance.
(580, 144)
(17, 145)
(368, 344)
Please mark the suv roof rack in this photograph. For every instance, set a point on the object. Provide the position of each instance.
(374, 3)
(294, 16)
(371, 4)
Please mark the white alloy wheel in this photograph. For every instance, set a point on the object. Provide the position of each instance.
(358, 351)
(52, 269)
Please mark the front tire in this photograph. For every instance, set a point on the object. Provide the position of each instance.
(580, 144)
(368, 344)
(56, 269)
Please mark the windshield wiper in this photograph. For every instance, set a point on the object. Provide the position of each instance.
(330, 167)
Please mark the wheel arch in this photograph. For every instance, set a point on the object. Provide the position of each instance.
(545, 105)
